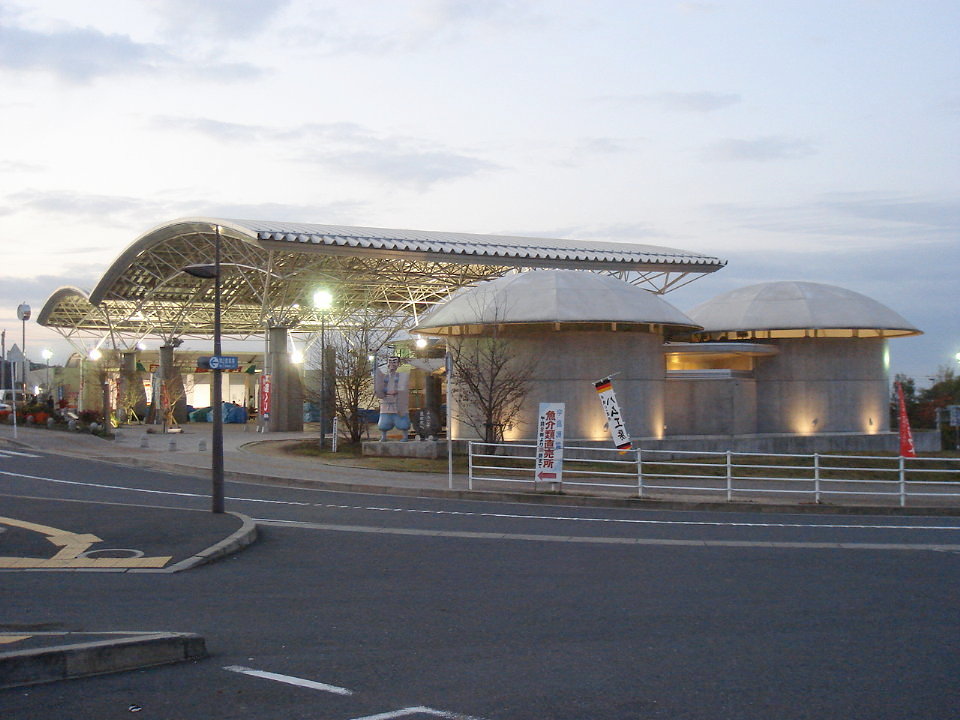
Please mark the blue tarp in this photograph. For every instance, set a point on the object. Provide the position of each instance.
(231, 414)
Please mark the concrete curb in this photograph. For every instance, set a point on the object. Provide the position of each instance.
(241, 538)
(32, 667)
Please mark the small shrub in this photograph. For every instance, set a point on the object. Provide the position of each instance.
(88, 417)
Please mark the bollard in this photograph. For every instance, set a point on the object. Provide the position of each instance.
(144, 442)
(202, 446)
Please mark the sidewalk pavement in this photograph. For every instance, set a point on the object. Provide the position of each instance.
(189, 453)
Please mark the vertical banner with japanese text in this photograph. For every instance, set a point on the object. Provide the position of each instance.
(906, 436)
(265, 392)
(608, 399)
(549, 466)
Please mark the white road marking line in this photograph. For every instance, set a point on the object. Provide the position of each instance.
(8, 453)
(764, 544)
(634, 521)
(509, 516)
(419, 710)
(289, 680)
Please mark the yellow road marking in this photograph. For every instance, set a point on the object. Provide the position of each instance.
(71, 545)
(6, 639)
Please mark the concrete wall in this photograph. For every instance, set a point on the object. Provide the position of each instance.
(569, 362)
(710, 406)
(820, 385)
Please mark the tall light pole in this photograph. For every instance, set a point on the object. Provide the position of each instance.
(322, 300)
(23, 314)
(47, 354)
(212, 272)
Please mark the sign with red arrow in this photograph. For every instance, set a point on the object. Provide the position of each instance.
(549, 467)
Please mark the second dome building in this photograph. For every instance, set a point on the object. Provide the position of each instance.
(571, 328)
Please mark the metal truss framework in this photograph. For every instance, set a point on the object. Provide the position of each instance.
(266, 281)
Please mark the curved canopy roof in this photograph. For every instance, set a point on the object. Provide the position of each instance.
(797, 309)
(270, 270)
(552, 296)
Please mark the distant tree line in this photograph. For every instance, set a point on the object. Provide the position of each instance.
(926, 408)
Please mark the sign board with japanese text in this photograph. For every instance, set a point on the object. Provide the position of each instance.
(954, 415)
(608, 399)
(218, 362)
(549, 467)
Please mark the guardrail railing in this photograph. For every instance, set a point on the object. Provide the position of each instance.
(729, 476)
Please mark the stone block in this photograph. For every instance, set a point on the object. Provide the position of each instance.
(429, 449)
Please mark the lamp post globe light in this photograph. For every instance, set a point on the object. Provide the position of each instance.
(322, 301)
(212, 272)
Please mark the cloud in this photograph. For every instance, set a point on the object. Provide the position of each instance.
(691, 102)
(633, 232)
(418, 167)
(411, 27)
(77, 54)
(925, 215)
(950, 105)
(606, 146)
(14, 166)
(80, 55)
(348, 148)
(441, 12)
(324, 213)
(135, 215)
(217, 19)
(36, 289)
(867, 218)
(108, 210)
(761, 149)
(695, 8)
(618, 231)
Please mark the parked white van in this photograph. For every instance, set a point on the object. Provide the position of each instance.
(7, 396)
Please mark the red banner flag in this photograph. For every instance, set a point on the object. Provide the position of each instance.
(906, 437)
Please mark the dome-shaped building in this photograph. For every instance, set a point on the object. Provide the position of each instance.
(818, 361)
(572, 328)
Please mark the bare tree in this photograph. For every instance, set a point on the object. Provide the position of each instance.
(350, 344)
(491, 381)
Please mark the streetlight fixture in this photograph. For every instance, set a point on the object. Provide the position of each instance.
(212, 272)
(322, 301)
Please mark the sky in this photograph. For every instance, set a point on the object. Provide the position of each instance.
(812, 140)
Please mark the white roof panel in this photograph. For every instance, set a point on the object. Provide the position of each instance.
(554, 296)
(468, 244)
(796, 306)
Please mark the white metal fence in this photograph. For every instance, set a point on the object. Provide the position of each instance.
(725, 476)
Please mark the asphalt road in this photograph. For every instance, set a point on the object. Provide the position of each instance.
(357, 606)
